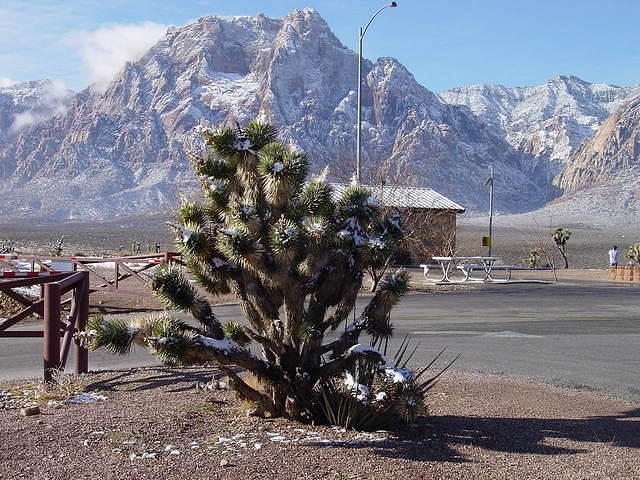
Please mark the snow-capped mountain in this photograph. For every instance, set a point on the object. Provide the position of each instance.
(548, 122)
(121, 151)
(27, 103)
(612, 156)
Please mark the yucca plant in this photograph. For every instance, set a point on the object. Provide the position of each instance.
(533, 260)
(292, 255)
(560, 237)
(633, 252)
(374, 394)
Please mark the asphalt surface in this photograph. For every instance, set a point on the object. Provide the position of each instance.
(583, 335)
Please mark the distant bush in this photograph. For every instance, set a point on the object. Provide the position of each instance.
(633, 252)
(534, 259)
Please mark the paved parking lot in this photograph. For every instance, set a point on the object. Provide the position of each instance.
(579, 334)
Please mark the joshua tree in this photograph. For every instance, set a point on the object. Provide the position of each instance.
(56, 249)
(292, 255)
(634, 252)
(533, 260)
(561, 236)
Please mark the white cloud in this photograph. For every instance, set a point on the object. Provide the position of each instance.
(51, 101)
(24, 120)
(56, 90)
(6, 82)
(106, 50)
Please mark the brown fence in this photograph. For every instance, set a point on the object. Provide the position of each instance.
(134, 267)
(49, 306)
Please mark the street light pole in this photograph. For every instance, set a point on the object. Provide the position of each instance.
(490, 182)
(362, 33)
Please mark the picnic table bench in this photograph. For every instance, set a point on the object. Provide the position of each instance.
(447, 269)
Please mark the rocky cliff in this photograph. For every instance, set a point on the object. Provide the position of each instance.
(547, 122)
(120, 151)
(612, 153)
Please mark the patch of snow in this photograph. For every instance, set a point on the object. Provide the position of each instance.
(225, 345)
(360, 391)
(32, 291)
(144, 456)
(381, 396)
(216, 185)
(86, 398)
(243, 145)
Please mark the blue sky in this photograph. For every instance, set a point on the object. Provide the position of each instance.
(444, 44)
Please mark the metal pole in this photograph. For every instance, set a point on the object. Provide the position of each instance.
(490, 208)
(82, 354)
(51, 344)
(359, 111)
(361, 35)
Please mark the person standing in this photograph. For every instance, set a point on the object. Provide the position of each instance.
(613, 256)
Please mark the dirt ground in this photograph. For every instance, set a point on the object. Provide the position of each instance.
(153, 424)
(586, 248)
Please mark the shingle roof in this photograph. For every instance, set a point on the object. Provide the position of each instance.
(406, 197)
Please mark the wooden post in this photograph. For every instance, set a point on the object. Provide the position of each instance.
(51, 345)
(82, 354)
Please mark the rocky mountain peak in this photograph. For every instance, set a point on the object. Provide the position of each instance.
(613, 150)
(120, 150)
(28, 103)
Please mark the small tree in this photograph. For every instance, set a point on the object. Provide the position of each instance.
(560, 237)
(292, 256)
(533, 260)
(633, 252)
(56, 249)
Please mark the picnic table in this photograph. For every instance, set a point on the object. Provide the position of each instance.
(450, 266)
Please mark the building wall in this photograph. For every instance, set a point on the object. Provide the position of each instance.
(429, 232)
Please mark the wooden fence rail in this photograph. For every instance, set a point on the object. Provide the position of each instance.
(133, 267)
(49, 307)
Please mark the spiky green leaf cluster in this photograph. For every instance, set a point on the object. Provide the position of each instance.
(169, 339)
(171, 286)
(191, 213)
(215, 168)
(260, 134)
(284, 238)
(220, 141)
(239, 246)
(282, 171)
(114, 336)
(235, 332)
(316, 199)
(208, 274)
(358, 202)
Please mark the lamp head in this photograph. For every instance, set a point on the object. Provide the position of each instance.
(393, 4)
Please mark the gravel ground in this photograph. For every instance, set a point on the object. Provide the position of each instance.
(153, 423)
